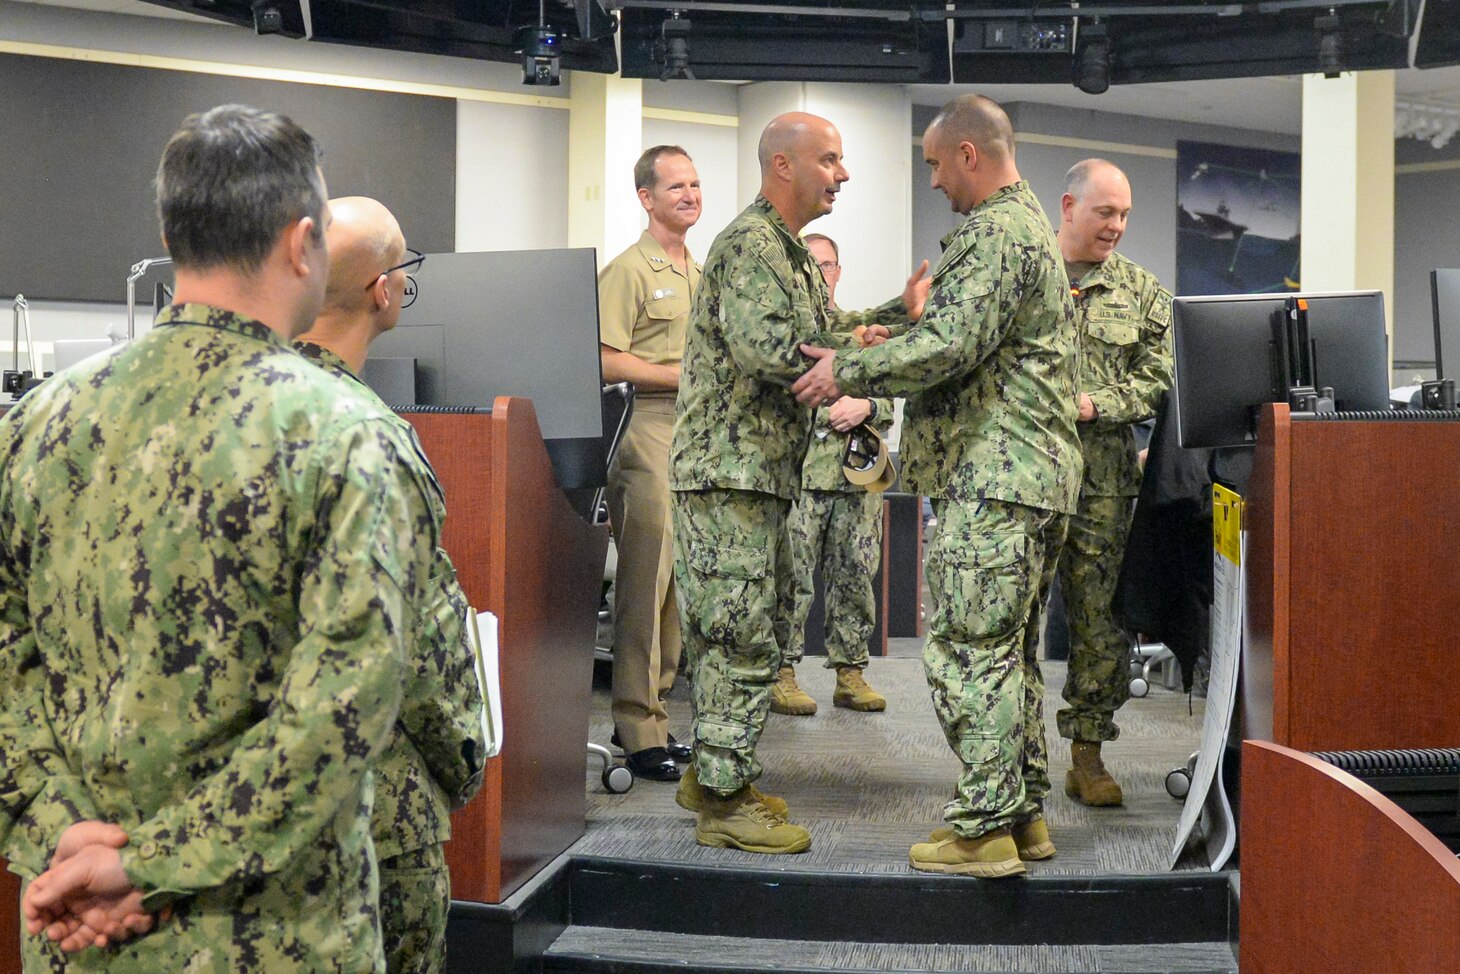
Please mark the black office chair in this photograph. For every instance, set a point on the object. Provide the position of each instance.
(618, 409)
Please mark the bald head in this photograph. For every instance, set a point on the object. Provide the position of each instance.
(978, 121)
(364, 239)
(788, 133)
(1093, 173)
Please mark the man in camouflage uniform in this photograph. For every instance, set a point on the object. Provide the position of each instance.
(989, 433)
(644, 297)
(417, 782)
(210, 555)
(735, 462)
(1125, 347)
(836, 526)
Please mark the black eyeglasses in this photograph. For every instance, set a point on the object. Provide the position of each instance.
(827, 266)
(409, 266)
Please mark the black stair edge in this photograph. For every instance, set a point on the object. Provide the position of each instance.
(510, 937)
(789, 904)
(585, 963)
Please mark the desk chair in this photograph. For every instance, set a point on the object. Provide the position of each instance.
(618, 409)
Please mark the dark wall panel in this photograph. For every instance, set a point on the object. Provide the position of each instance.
(81, 142)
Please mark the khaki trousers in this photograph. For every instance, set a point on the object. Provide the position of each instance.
(646, 640)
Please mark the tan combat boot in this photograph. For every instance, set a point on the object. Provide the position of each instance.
(853, 693)
(740, 821)
(1031, 839)
(991, 856)
(1088, 782)
(788, 698)
(691, 797)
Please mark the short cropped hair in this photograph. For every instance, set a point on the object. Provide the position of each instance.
(645, 176)
(821, 236)
(231, 179)
(1078, 178)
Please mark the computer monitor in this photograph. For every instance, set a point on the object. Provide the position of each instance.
(1228, 359)
(512, 323)
(70, 351)
(1445, 291)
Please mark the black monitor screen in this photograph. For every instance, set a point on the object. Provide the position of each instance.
(1445, 289)
(1227, 361)
(512, 323)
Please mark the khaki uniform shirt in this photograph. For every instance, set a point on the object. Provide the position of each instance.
(737, 425)
(209, 555)
(1125, 344)
(433, 762)
(990, 369)
(643, 305)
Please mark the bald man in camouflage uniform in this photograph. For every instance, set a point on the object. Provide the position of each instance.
(1125, 342)
(735, 462)
(989, 434)
(835, 526)
(418, 781)
(211, 555)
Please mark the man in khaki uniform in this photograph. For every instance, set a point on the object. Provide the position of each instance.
(644, 300)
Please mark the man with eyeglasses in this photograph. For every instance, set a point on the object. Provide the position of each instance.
(432, 763)
(644, 297)
(836, 526)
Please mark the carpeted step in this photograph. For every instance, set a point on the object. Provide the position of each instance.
(607, 950)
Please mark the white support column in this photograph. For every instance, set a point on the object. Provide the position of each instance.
(605, 128)
(1348, 185)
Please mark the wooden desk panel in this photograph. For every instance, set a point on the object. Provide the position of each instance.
(1336, 877)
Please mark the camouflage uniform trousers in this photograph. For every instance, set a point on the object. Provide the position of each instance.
(841, 533)
(732, 573)
(1099, 670)
(989, 568)
(415, 897)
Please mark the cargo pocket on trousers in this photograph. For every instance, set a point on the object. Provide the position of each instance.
(987, 585)
(735, 600)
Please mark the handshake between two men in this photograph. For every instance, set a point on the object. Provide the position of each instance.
(819, 387)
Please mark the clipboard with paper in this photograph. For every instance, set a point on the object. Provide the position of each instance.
(483, 629)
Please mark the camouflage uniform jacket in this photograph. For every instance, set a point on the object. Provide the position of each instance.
(827, 448)
(989, 370)
(433, 762)
(1125, 365)
(209, 551)
(761, 295)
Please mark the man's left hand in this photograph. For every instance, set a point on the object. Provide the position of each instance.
(1088, 412)
(916, 292)
(848, 413)
(817, 387)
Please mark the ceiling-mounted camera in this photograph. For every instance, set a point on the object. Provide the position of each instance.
(267, 17)
(672, 48)
(540, 61)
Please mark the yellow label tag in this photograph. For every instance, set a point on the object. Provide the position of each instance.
(1227, 523)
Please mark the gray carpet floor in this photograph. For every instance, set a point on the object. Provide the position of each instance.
(868, 786)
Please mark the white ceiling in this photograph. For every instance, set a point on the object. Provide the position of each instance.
(1266, 104)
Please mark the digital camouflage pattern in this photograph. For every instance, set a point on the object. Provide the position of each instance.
(989, 569)
(840, 532)
(433, 762)
(415, 898)
(212, 552)
(761, 295)
(989, 370)
(1126, 363)
(1098, 680)
(733, 574)
(1124, 316)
